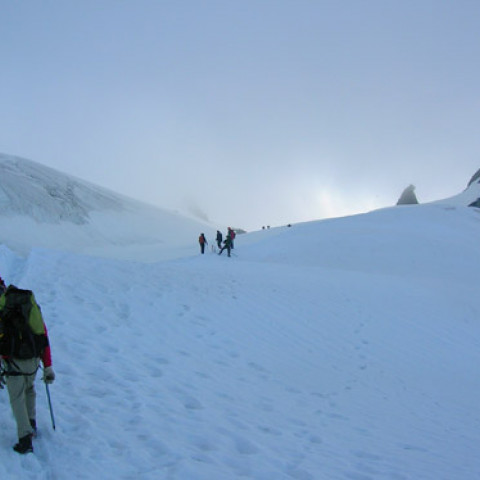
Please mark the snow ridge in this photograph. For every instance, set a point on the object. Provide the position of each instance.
(48, 196)
(42, 207)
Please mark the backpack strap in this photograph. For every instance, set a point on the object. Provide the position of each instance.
(13, 370)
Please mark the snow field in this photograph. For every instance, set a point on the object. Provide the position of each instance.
(269, 365)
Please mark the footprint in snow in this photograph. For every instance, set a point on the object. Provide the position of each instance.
(191, 403)
(245, 446)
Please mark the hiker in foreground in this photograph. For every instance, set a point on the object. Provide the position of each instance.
(23, 343)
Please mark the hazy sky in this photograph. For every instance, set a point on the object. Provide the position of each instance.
(248, 112)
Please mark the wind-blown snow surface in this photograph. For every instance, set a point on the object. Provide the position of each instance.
(341, 349)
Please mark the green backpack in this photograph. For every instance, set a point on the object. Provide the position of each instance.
(22, 331)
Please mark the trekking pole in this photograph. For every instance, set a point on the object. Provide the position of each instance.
(50, 405)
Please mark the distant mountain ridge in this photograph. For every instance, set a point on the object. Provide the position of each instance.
(42, 207)
(469, 197)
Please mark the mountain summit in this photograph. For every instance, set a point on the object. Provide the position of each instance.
(36, 200)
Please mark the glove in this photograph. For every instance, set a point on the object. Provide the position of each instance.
(48, 375)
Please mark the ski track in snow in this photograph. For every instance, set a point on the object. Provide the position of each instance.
(215, 368)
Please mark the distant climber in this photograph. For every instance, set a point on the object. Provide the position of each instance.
(231, 234)
(219, 239)
(227, 245)
(202, 241)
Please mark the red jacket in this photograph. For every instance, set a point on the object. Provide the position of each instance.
(47, 352)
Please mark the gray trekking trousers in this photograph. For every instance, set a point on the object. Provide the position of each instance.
(21, 390)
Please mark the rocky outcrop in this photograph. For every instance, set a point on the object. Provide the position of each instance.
(475, 178)
(408, 196)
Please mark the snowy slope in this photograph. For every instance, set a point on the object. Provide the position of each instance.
(468, 196)
(41, 207)
(342, 349)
